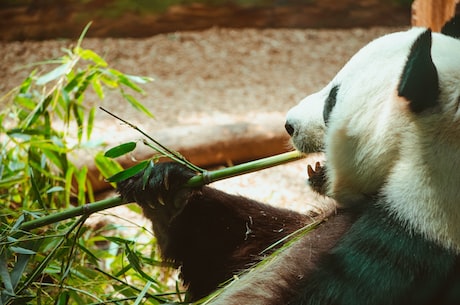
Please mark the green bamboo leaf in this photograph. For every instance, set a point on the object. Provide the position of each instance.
(90, 191)
(47, 125)
(88, 273)
(22, 261)
(35, 188)
(136, 264)
(83, 34)
(139, 79)
(56, 159)
(55, 154)
(37, 271)
(6, 183)
(136, 104)
(63, 298)
(68, 185)
(54, 74)
(20, 250)
(37, 112)
(25, 86)
(91, 256)
(123, 270)
(119, 240)
(25, 100)
(90, 123)
(53, 145)
(124, 79)
(76, 297)
(143, 293)
(81, 182)
(55, 189)
(120, 150)
(123, 175)
(106, 166)
(74, 81)
(18, 222)
(64, 99)
(107, 79)
(23, 134)
(91, 55)
(79, 118)
(5, 275)
(83, 85)
(97, 87)
(40, 168)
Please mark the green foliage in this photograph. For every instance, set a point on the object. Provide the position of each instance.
(147, 165)
(46, 120)
(45, 114)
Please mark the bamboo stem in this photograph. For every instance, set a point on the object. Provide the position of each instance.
(86, 209)
(196, 181)
(244, 168)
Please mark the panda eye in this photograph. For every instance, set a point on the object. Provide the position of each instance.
(330, 103)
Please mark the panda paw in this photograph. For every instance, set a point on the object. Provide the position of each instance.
(162, 185)
(317, 178)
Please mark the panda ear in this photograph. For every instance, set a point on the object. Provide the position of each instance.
(419, 79)
(452, 27)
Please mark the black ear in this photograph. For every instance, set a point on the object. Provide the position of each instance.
(452, 27)
(419, 79)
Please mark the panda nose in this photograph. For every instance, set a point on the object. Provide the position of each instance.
(289, 128)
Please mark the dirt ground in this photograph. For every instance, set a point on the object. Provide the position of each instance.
(212, 77)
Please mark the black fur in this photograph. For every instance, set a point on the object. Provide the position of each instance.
(419, 80)
(210, 234)
(329, 104)
(452, 27)
(379, 262)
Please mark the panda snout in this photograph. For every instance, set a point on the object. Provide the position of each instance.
(289, 128)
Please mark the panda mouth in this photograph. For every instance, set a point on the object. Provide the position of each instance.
(308, 142)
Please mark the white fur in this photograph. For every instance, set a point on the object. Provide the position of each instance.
(375, 145)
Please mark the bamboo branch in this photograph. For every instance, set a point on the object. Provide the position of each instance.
(244, 168)
(196, 181)
(86, 209)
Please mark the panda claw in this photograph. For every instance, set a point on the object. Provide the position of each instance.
(310, 171)
(317, 166)
(314, 172)
(316, 178)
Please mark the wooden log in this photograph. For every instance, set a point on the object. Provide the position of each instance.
(432, 13)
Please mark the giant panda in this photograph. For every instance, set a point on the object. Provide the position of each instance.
(389, 125)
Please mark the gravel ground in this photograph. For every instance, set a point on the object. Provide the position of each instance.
(213, 77)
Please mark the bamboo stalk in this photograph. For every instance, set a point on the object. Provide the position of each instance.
(86, 209)
(244, 168)
(196, 181)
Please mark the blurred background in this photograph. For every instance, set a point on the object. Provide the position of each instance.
(45, 19)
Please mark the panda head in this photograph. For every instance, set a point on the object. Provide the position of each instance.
(399, 90)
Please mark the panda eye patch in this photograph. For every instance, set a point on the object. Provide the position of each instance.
(330, 103)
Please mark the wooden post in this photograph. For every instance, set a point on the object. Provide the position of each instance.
(432, 13)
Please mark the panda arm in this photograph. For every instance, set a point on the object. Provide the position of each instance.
(280, 278)
(211, 235)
